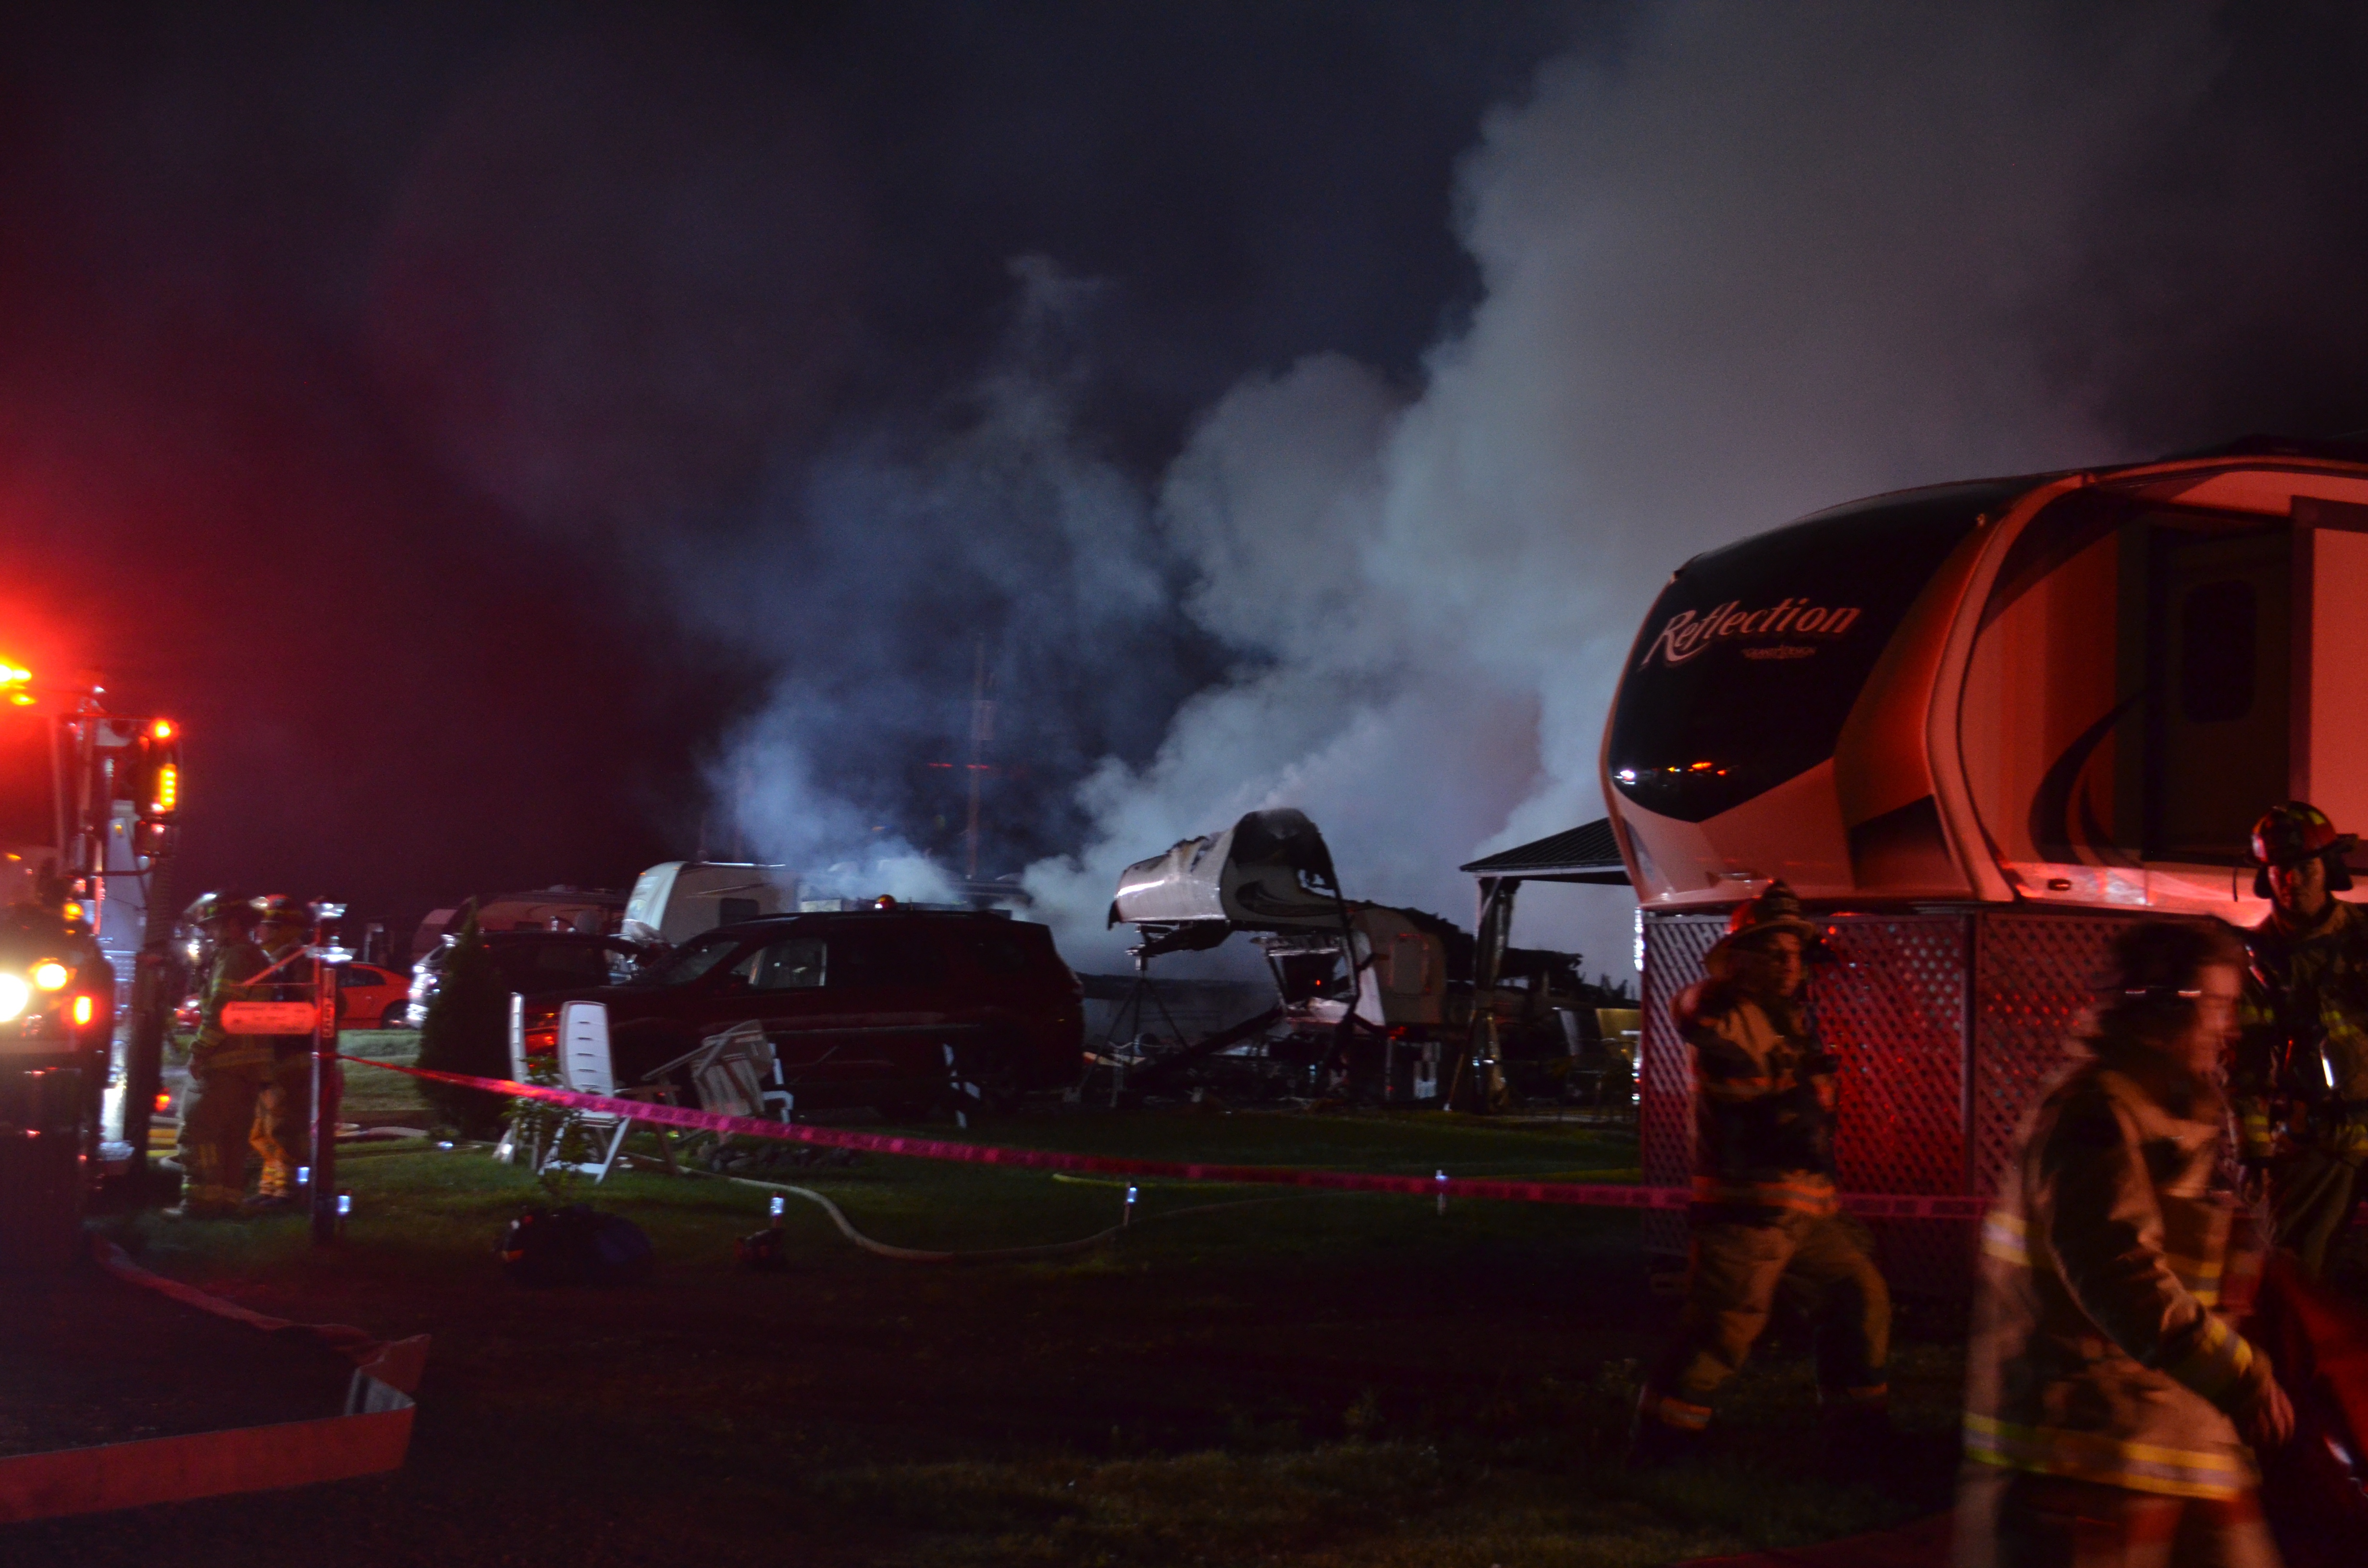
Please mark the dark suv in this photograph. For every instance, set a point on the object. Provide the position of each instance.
(861, 1006)
(531, 962)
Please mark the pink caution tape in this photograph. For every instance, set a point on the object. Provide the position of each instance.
(1596, 1195)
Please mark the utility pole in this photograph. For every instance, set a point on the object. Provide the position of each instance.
(982, 730)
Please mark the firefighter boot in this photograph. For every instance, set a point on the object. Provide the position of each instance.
(1666, 1431)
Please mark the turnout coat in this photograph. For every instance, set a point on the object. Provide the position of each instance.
(2112, 1262)
(1763, 1107)
(2304, 1043)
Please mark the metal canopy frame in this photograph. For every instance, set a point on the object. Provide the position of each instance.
(1588, 853)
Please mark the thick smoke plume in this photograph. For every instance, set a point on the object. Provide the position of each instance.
(611, 376)
(1762, 261)
(1741, 266)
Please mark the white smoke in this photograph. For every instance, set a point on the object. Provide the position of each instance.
(790, 819)
(862, 607)
(1769, 259)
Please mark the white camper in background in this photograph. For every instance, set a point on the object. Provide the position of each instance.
(675, 900)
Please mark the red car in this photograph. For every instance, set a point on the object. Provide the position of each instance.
(369, 997)
(862, 1007)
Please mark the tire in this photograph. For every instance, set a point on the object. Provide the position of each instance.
(397, 1015)
(987, 1065)
(41, 1207)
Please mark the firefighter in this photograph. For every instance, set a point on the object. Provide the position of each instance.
(2112, 1414)
(2299, 1074)
(227, 1071)
(1764, 1210)
(283, 1113)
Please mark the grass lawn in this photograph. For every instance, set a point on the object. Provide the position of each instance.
(1320, 1379)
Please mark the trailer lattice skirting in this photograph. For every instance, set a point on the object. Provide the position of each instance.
(1936, 1073)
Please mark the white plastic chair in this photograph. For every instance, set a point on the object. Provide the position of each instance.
(585, 1068)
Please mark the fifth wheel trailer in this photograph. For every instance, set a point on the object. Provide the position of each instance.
(1981, 727)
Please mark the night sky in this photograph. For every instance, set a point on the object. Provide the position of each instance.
(503, 435)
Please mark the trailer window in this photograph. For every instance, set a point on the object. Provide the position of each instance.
(28, 788)
(1753, 657)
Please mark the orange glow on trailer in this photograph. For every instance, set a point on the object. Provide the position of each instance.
(168, 788)
(83, 1009)
(162, 728)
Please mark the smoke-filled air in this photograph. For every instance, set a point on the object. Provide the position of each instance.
(1751, 262)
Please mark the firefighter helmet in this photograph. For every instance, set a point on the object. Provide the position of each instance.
(2162, 960)
(279, 909)
(208, 907)
(2296, 832)
(1775, 910)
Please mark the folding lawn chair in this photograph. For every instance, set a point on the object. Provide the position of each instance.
(585, 1068)
(732, 1069)
(506, 1150)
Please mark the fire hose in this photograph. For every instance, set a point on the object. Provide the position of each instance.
(999, 1255)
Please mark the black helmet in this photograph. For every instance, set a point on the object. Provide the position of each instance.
(2160, 959)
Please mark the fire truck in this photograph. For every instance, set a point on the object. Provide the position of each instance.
(1982, 727)
(88, 804)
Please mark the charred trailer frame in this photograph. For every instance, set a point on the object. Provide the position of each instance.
(1364, 987)
(1589, 854)
(1981, 728)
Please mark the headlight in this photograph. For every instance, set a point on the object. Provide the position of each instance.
(51, 976)
(14, 994)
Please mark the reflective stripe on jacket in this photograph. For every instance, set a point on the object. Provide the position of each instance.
(234, 963)
(1763, 1104)
(2100, 1352)
(2304, 1038)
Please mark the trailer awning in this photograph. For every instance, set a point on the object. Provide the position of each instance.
(1583, 854)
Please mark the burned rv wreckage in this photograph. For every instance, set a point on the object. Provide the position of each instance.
(1371, 1002)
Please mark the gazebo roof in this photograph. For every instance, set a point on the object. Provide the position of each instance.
(1588, 853)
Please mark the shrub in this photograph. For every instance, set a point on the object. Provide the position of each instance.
(467, 1031)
